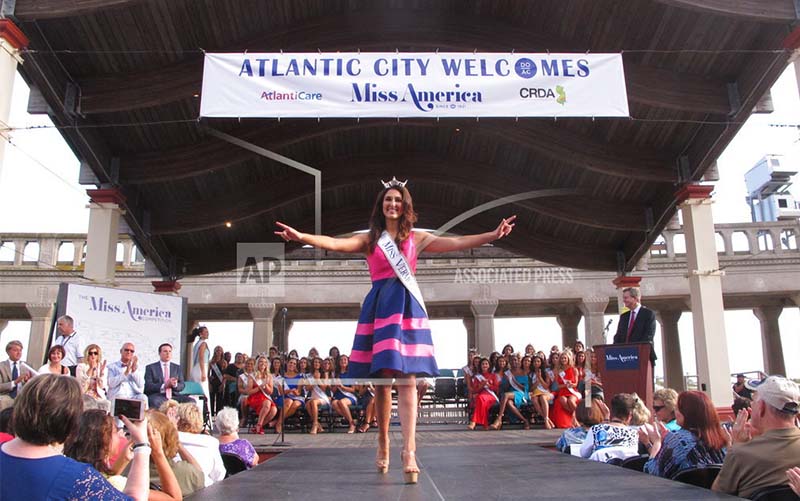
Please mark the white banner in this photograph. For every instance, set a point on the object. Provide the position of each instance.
(111, 317)
(337, 85)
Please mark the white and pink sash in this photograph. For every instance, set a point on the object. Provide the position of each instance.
(400, 266)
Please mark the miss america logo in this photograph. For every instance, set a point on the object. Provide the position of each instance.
(423, 100)
(137, 313)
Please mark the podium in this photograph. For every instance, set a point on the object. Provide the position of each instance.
(626, 368)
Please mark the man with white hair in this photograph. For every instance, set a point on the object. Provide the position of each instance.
(125, 378)
(638, 324)
(13, 374)
(766, 447)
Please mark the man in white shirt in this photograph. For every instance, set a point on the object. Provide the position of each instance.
(72, 343)
(13, 374)
(125, 378)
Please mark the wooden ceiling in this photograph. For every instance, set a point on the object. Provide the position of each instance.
(122, 78)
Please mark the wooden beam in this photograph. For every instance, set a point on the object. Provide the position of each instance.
(36, 10)
(775, 11)
(550, 140)
(487, 180)
(182, 81)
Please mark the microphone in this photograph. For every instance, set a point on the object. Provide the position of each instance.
(609, 323)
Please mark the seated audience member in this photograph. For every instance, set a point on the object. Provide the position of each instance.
(540, 394)
(125, 378)
(615, 438)
(243, 387)
(763, 449)
(641, 414)
(46, 414)
(98, 438)
(567, 396)
(586, 419)
(344, 396)
(530, 351)
(204, 448)
(366, 398)
(742, 397)
(303, 366)
(485, 387)
(316, 389)
(54, 365)
(6, 431)
(231, 376)
(187, 471)
(13, 374)
(229, 442)
(163, 380)
(664, 402)
(517, 396)
(578, 347)
(259, 395)
(294, 397)
(423, 385)
(699, 441)
(92, 376)
(170, 409)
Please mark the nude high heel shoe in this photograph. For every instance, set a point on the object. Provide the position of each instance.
(410, 472)
(382, 461)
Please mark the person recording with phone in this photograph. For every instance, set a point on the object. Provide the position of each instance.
(125, 378)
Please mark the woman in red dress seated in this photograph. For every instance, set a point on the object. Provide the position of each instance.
(259, 392)
(567, 396)
(485, 387)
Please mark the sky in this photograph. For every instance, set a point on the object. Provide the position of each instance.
(39, 193)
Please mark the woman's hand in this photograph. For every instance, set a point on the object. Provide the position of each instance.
(288, 233)
(504, 228)
(155, 441)
(137, 429)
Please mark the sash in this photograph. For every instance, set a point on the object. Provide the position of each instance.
(401, 268)
(467, 370)
(535, 380)
(317, 391)
(572, 391)
(261, 389)
(480, 377)
(513, 382)
(215, 368)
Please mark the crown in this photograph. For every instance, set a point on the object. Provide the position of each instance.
(394, 183)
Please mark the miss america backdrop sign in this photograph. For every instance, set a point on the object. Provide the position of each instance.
(339, 85)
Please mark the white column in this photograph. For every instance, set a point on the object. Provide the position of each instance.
(568, 321)
(705, 288)
(41, 319)
(11, 41)
(771, 344)
(263, 314)
(101, 241)
(671, 344)
(483, 311)
(594, 309)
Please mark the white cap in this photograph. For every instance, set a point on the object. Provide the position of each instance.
(777, 391)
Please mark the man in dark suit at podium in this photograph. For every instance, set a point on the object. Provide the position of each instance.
(163, 380)
(638, 325)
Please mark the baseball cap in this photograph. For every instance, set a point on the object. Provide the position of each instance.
(777, 391)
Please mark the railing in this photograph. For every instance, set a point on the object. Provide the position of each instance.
(67, 251)
(690, 381)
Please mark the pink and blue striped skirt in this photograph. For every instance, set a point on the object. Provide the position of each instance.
(393, 334)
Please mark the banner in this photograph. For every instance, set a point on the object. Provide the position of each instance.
(111, 317)
(364, 85)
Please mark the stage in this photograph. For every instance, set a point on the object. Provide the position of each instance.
(455, 464)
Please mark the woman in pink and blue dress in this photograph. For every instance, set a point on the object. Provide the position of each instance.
(393, 338)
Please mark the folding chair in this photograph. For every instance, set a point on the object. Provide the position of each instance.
(193, 389)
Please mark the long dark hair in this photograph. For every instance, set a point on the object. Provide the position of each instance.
(377, 221)
(196, 333)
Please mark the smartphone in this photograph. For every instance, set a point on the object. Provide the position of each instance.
(130, 408)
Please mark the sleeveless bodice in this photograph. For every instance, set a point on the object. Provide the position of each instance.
(379, 267)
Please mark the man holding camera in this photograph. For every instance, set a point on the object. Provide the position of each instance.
(163, 380)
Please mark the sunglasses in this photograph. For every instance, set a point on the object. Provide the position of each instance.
(129, 350)
(657, 407)
(93, 353)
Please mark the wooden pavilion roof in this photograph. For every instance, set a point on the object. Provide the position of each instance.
(122, 78)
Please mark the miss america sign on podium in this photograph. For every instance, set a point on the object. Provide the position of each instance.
(364, 85)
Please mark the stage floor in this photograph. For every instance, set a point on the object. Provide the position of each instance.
(480, 471)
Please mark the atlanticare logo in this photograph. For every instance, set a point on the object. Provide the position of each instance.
(273, 95)
(137, 313)
(423, 100)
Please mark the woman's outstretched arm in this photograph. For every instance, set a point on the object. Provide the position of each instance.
(354, 244)
(431, 243)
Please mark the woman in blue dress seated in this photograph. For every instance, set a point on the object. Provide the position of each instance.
(393, 337)
(517, 380)
(344, 396)
(700, 441)
(46, 413)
